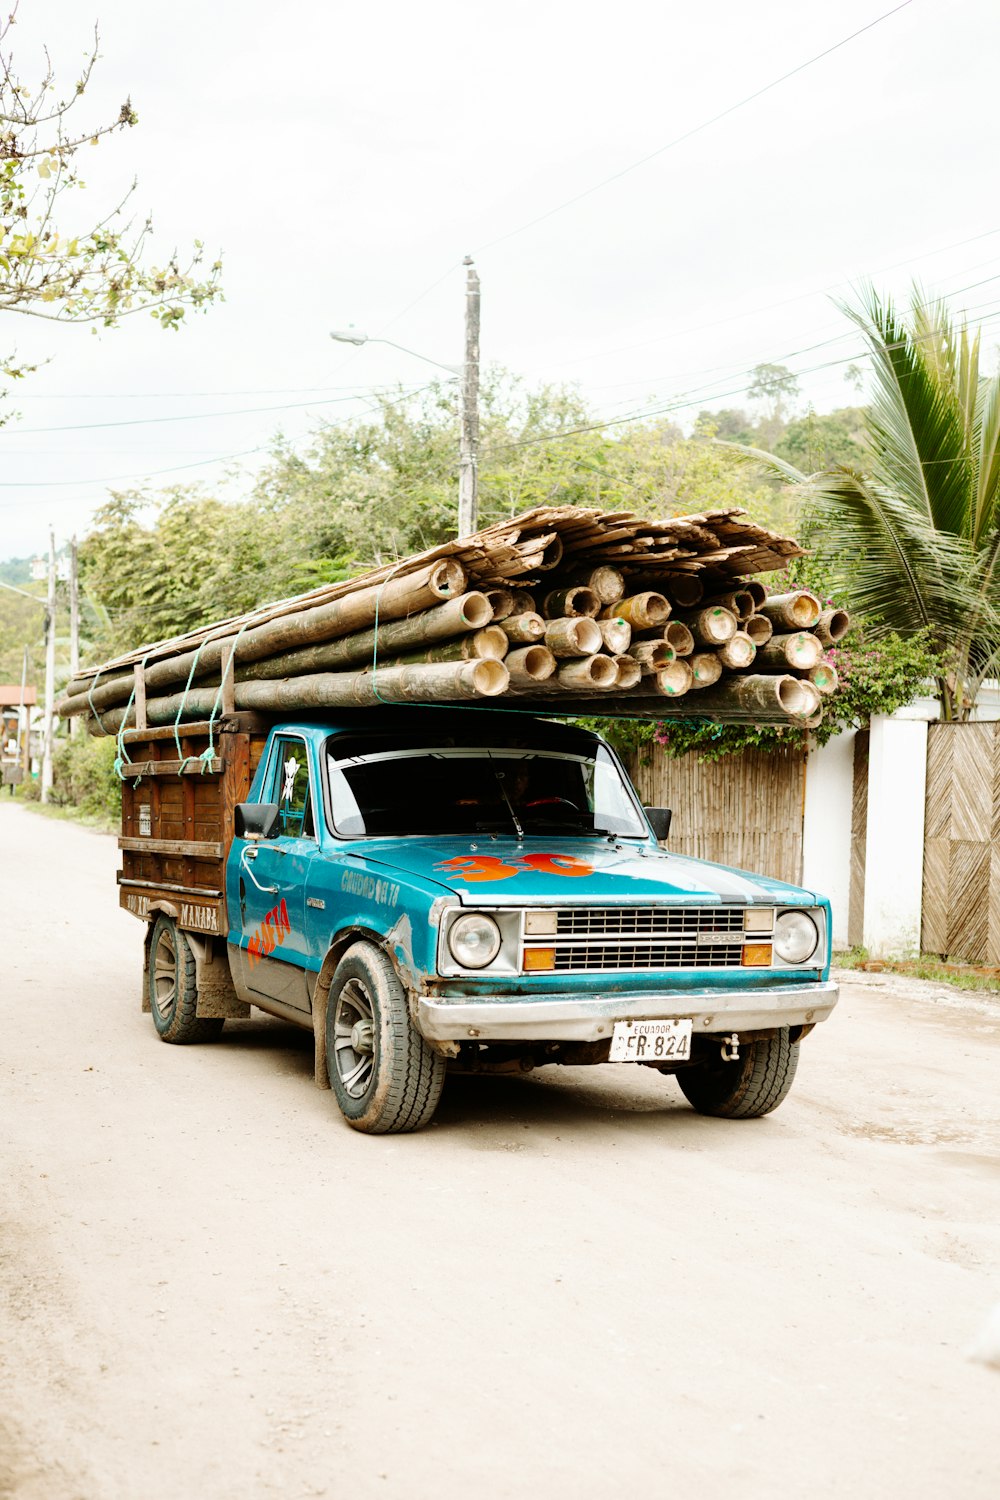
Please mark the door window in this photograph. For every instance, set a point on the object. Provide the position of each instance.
(290, 789)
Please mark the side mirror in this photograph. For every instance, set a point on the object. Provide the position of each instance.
(659, 822)
(256, 820)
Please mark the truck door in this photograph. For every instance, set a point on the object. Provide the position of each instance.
(272, 880)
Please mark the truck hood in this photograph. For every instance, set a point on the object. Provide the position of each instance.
(554, 871)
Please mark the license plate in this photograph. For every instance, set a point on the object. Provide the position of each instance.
(651, 1041)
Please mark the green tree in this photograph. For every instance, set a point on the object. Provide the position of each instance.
(92, 270)
(824, 440)
(914, 536)
(380, 487)
(775, 389)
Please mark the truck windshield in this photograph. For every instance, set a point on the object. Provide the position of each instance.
(468, 790)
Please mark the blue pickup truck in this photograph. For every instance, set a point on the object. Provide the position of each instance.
(435, 889)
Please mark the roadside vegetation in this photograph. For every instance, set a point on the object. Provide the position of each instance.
(979, 977)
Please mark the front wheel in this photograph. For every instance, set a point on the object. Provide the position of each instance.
(385, 1077)
(173, 987)
(743, 1090)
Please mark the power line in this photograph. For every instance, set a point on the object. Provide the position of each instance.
(693, 131)
(198, 416)
(141, 474)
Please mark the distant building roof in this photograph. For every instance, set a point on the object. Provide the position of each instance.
(10, 695)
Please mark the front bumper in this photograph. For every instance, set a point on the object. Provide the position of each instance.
(576, 1018)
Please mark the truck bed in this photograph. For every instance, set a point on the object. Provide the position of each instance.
(177, 817)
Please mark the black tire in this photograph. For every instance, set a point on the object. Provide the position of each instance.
(743, 1090)
(384, 1076)
(173, 988)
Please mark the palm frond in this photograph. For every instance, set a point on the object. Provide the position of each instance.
(918, 423)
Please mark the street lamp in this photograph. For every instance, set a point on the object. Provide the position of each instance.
(468, 452)
(352, 336)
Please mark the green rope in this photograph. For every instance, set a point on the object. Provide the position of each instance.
(208, 754)
(123, 758)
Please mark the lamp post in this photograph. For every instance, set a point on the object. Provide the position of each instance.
(468, 451)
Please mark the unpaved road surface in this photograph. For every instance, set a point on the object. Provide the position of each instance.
(570, 1285)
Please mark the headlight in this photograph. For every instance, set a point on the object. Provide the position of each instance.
(474, 940)
(795, 937)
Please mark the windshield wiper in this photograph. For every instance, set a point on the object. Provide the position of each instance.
(510, 806)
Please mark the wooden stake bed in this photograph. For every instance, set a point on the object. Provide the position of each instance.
(177, 828)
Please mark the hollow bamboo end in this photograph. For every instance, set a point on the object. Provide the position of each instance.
(552, 556)
(531, 664)
(803, 610)
(834, 625)
(674, 680)
(759, 629)
(501, 602)
(793, 699)
(677, 635)
(587, 635)
(706, 669)
(490, 643)
(757, 592)
(685, 591)
(477, 611)
(629, 672)
(447, 578)
(489, 678)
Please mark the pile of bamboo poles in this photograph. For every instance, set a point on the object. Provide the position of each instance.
(571, 611)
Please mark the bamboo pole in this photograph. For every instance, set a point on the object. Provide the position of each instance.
(579, 636)
(529, 666)
(604, 581)
(394, 599)
(617, 635)
(524, 629)
(738, 652)
(832, 626)
(572, 601)
(706, 668)
(796, 611)
(676, 634)
(824, 678)
(684, 590)
(501, 602)
(673, 681)
(711, 626)
(651, 656)
(641, 611)
(524, 602)
(799, 652)
(489, 644)
(588, 673)
(756, 590)
(758, 698)
(738, 601)
(759, 629)
(449, 682)
(629, 672)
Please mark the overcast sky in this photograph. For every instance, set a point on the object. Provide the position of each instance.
(344, 158)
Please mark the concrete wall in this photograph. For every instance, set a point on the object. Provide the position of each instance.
(826, 831)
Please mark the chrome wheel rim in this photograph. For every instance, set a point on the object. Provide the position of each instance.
(354, 1039)
(164, 987)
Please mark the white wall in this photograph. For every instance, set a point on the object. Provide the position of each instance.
(826, 827)
(894, 860)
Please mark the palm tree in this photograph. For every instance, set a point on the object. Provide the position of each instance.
(915, 539)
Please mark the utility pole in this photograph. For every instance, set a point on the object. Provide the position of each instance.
(24, 720)
(74, 626)
(48, 727)
(468, 456)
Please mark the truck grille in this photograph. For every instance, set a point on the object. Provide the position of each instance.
(648, 921)
(647, 938)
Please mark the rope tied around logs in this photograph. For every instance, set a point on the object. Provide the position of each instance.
(122, 759)
(90, 699)
(208, 754)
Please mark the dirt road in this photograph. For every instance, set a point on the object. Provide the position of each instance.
(570, 1285)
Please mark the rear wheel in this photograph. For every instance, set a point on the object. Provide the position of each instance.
(385, 1077)
(743, 1090)
(173, 987)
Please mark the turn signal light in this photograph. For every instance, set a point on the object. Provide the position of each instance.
(756, 955)
(542, 958)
